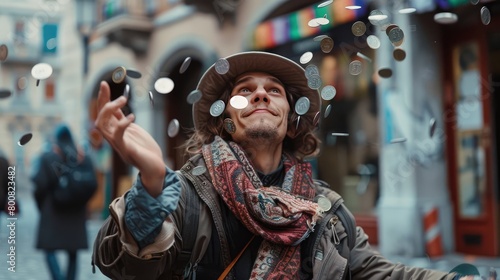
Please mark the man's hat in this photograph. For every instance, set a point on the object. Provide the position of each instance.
(212, 84)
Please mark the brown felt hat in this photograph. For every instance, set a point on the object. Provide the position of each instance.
(291, 74)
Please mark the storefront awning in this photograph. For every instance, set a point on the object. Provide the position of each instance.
(294, 26)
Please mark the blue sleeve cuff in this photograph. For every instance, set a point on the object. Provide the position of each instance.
(145, 214)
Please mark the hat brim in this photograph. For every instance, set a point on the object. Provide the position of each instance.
(291, 74)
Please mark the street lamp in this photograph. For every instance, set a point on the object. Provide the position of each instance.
(85, 22)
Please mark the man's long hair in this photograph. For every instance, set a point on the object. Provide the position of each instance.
(304, 144)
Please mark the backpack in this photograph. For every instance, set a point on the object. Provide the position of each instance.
(77, 184)
(186, 260)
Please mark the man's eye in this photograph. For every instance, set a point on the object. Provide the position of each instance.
(246, 90)
(275, 90)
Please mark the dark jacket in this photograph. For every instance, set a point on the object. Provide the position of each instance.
(4, 182)
(57, 229)
(118, 256)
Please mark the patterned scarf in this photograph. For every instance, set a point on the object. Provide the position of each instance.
(283, 217)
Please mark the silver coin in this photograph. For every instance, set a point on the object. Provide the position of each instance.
(185, 65)
(173, 128)
(326, 44)
(319, 38)
(339, 134)
(198, 170)
(355, 67)
(134, 74)
(298, 121)
(194, 96)
(164, 85)
(432, 127)
(474, 2)
(328, 110)
(24, 139)
(126, 91)
(398, 140)
(445, 18)
(314, 81)
(485, 16)
(390, 27)
(396, 35)
(358, 28)
(151, 101)
(373, 42)
(4, 52)
(222, 66)
(306, 57)
(217, 108)
(399, 54)
(324, 4)
(385, 72)
(302, 105)
(328, 92)
(364, 57)
(323, 20)
(323, 202)
(41, 71)
(119, 74)
(316, 119)
(378, 18)
(5, 93)
(313, 23)
(311, 70)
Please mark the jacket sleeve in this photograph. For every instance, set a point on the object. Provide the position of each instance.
(366, 263)
(119, 256)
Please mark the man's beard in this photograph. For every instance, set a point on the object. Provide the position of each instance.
(262, 132)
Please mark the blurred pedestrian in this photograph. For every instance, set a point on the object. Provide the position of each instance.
(60, 228)
(4, 181)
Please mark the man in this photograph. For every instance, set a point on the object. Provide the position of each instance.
(258, 205)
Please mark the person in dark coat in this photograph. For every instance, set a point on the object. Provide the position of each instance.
(58, 229)
(4, 181)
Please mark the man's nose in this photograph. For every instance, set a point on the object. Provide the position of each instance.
(260, 95)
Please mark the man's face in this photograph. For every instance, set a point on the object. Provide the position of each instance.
(266, 116)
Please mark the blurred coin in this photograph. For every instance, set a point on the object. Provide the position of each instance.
(339, 134)
(119, 74)
(4, 52)
(328, 92)
(217, 108)
(363, 57)
(4, 93)
(328, 110)
(474, 2)
(322, 21)
(399, 54)
(358, 28)
(324, 203)
(238, 102)
(324, 4)
(316, 119)
(151, 101)
(313, 23)
(355, 67)
(22, 83)
(126, 91)
(25, 139)
(385, 72)
(389, 28)
(222, 66)
(311, 70)
(198, 170)
(194, 96)
(185, 65)
(485, 16)
(306, 57)
(173, 128)
(377, 18)
(314, 81)
(373, 42)
(353, 7)
(41, 71)
(398, 140)
(326, 44)
(319, 38)
(302, 105)
(445, 18)
(134, 74)
(432, 127)
(298, 121)
(396, 35)
(407, 10)
(164, 85)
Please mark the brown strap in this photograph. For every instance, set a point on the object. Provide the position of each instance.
(230, 266)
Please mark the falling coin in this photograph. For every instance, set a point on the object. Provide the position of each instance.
(314, 81)
(324, 203)
(358, 28)
(151, 101)
(319, 38)
(238, 102)
(173, 128)
(119, 74)
(445, 18)
(22, 83)
(222, 66)
(399, 54)
(326, 44)
(355, 67)
(164, 85)
(4, 52)
(316, 119)
(324, 4)
(328, 92)
(25, 139)
(302, 105)
(126, 91)
(407, 10)
(198, 170)
(364, 57)
(313, 23)
(322, 21)
(4, 93)
(396, 35)
(339, 134)
(373, 42)
(194, 96)
(134, 74)
(432, 127)
(353, 7)
(485, 16)
(311, 70)
(217, 108)
(298, 121)
(185, 65)
(41, 71)
(398, 140)
(378, 18)
(385, 72)
(306, 57)
(474, 2)
(328, 110)
(389, 28)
